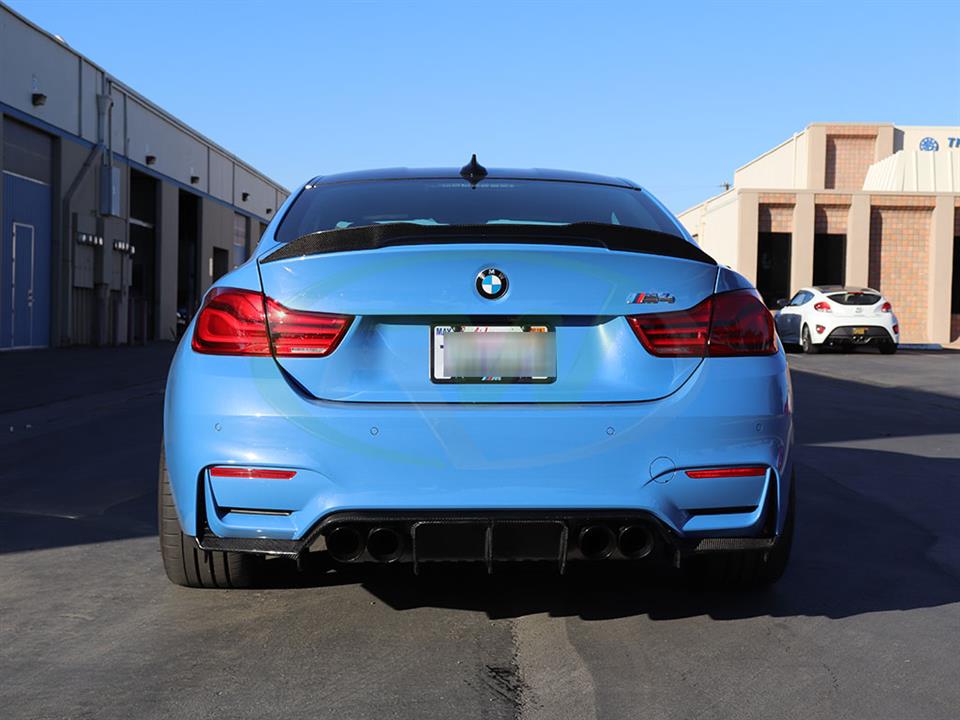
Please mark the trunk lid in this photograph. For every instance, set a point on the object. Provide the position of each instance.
(398, 294)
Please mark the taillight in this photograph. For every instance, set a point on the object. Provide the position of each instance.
(301, 333)
(233, 322)
(724, 325)
(248, 473)
(823, 307)
(675, 334)
(820, 329)
(896, 329)
(741, 325)
(886, 307)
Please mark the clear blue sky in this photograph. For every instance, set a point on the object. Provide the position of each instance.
(672, 94)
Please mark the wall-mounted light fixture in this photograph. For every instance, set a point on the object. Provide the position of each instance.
(87, 239)
(245, 196)
(38, 99)
(151, 159)
(269, 211)
(194, 179)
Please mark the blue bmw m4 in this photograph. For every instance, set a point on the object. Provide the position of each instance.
(486, 366)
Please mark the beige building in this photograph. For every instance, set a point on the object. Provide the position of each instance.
(858, 204)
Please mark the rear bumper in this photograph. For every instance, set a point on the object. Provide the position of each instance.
(626, 458)
(839, 329)
(859, 335)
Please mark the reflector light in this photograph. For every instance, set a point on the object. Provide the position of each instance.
(728, 472)
(896, 329)
(236, 322)
(231, 471)
(823, 307)
(723, 325)
(886, 307)
(820, 329)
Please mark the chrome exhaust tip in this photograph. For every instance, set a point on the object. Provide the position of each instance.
(344, 543)
(596, 542)
(384, 544)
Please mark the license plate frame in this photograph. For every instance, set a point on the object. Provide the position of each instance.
(437, 370)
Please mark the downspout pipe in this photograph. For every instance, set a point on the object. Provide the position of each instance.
(104, 103)
(66, 327)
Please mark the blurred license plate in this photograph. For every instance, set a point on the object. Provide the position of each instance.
(859, 331)
(494, 353)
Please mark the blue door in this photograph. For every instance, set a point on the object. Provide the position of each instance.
(25, 263)
(22, 295)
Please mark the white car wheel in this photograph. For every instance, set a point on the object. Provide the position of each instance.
(806, 342)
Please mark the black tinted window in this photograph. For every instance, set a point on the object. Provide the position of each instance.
(455, 202)
(855, 298)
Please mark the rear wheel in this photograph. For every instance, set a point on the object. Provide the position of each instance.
(184, 562)
(806, 343)
(747, 568)
(888, 347)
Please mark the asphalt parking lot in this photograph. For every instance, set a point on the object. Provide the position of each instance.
(866, 623)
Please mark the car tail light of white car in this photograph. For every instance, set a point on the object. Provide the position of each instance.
(823, 307)
(886, 307)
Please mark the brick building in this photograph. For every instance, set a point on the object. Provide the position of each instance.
(858, 204)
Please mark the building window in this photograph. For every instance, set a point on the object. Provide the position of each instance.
(241, 238)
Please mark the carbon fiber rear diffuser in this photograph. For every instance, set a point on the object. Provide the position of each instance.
(489, 537)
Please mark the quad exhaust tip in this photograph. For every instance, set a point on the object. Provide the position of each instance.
(635, 541)
(597, 542)
(345, 543)
(384, 544)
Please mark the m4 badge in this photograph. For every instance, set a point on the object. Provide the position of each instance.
(650, 298)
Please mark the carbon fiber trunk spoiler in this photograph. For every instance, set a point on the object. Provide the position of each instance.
(619, 238)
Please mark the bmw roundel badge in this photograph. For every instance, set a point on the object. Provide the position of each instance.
(491, 283)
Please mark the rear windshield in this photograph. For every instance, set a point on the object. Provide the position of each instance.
(455, 202)
(855, 298)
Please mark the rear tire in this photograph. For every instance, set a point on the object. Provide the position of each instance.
(888, 347)
(183, 560)
(806, 342)
(746, 569)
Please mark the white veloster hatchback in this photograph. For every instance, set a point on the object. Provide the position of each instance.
(836, 316)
